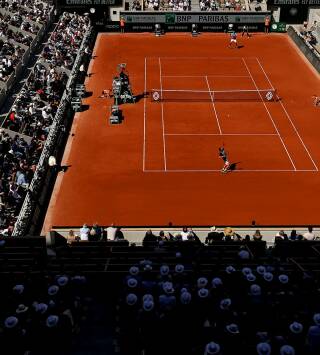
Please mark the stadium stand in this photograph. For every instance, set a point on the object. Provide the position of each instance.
(310, 34)
(221, 5)
(234, 294)
(33, 112)
(174, 294)
(23, 25)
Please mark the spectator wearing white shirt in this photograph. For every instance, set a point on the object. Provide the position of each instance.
(185, 234)
(84, 232)
(309, 235)
(111, 232)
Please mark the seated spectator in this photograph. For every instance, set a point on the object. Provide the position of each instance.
(84, 232)
(111, 232)
(257, 237)
(149, 240)
(309, 235)
(119, 235)
(214, 236)
(71, 237)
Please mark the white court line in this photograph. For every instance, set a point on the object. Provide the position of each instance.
(213, 106)
(302, 142)
(144, 115)
(206, 91)
(265, 74)
(210, 76)
(162, 119)
(221, 134)
(265, 106)
(289, 118)
(191, 58)
(234, 171)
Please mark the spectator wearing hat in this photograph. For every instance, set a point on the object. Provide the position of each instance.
(128, 316)
(232, 338)
(212, 348)
(287, 350)
(313, 336)
(180, 276)
(149, 323)
(13, 336)
(164, 273)
(23, 314)
(296, 336)
(217, 291)
(223, 313)
(263, 349)
(57, 327)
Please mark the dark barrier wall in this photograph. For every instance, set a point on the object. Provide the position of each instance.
(207, 22)
(308, 52)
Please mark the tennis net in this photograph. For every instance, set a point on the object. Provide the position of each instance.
(216, 95)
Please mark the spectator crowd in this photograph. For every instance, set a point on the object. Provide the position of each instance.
(20, 22)
(252, 309)
(221, 5)
(40, 316)
(309, 33)
(33, 111)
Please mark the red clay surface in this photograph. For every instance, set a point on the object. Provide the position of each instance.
(161, 164)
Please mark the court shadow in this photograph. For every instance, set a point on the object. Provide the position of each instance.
(64, 168)
(84, 108)
(233, 166)
(88, 94)
(240, 46)
(140, 97)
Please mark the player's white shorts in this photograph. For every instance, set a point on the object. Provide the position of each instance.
(233, 40)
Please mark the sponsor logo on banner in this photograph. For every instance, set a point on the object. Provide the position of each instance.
(156, 96)
(269, 95)
(174, 18)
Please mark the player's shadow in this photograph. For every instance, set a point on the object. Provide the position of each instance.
(233, 166)
(240, 46)
(140, 97)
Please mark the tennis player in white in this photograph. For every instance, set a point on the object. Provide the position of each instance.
(233, 40)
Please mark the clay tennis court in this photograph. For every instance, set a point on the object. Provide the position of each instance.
(161, 164)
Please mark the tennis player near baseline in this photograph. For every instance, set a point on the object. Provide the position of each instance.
(224, 157)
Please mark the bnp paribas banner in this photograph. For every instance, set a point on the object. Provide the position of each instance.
(178, 18)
